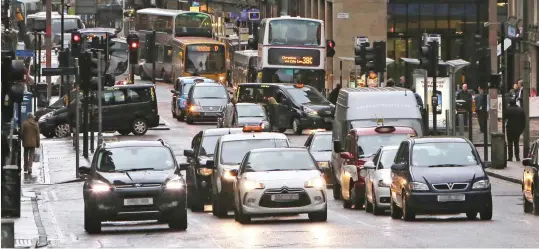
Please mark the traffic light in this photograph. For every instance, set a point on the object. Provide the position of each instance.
(359, 55)
(133, 43)
(129, 13)
(75, 44)
(380, 61)
(483, 61)
(370, 60)
(150, 47)
(63, 58)
(330, 48)
(84, 73)
(428, 58)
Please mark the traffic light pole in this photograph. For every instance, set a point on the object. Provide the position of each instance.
(77, 118)
(434, 50)
(61, 45)
(99, 98)
(526, 90)
(153, 55)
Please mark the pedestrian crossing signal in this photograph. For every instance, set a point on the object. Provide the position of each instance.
(330, 48)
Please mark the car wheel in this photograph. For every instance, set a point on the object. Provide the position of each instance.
(396, 212)
(282, 130)
(178, 219)
(486, 213)
(92, 223)
(62, 130)
(242, 218)
(124, 132)
(347, 203)
(143, 75)
(336, 188)
(319, 216)
(218, 209)
(528, 206)
(471, 215)
(181, 115)
(368, 205)
(140, 127)
(356, 200)
(407, 212)
(297, 127)
(236, 214)
(193, 200)
(189, 120)
(173, 111)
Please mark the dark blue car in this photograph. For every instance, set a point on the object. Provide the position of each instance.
(179, 94)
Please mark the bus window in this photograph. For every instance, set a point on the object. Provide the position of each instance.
(255, 93)
(168, 54)
(160, 53)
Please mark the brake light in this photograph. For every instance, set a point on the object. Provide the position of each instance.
(359, 162)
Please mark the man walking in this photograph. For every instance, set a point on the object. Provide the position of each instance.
(334, 94)
(481, 103)
(30, 140)
(515, 122)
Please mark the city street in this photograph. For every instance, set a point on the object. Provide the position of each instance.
(61, 211)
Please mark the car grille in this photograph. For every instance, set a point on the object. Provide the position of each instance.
(325, 113)
(211, 108)
(450, 186)
(143, 185)
(266, 201)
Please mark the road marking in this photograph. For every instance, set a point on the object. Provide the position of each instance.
(54, 221)
(167, 123)
(46, 170)
(54, 196)
(99, 245)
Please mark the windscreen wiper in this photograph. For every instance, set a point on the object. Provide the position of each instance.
(140, 169)
(445, 165)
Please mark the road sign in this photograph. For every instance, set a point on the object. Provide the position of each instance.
(24, 53)
(360, 40)
(57, 71)
(244, 34)
(506, 44)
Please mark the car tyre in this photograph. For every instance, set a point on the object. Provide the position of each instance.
(319, 216)
(92, 222)
(471, 215)
(407, 212)
(357, 201)
(396, 212)
(124, 132)
(282, 130)
(140, 127)
(528, 206)
(218, 209)
(242, 218)
(297, 127)
(486, 213)
(143, 75)
(178, 219)
(336, 188)
(368, 205)
(173, 111)
(535, 196)
(189, 120)
(48, 135)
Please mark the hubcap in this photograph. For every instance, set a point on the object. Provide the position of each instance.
(62, 130)
(140, 127)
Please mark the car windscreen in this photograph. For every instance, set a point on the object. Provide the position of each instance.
(186, 88)
(442, 154)
(388, 156)
(134, 158)
(233, 151)
(250, 111)
(208, 145)
(322, 143)
(280, 161)
(307, 95)
(210, 92)
(369, 144)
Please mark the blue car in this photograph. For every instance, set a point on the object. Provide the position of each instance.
(180, 92)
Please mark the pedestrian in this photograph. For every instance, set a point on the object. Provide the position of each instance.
(30, 140)
(272, 110)
(515, 122)
(481, 106)
(402, 81)
(513, 93)
(334, 94)
(520, 93)
(418, 98)
(390, 83)
(467, 97)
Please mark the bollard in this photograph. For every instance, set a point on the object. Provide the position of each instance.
(461, 124)
(11, 191)
(497, 155)
(8, 234)
(447, 132)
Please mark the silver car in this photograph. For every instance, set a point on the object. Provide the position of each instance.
(378, 180)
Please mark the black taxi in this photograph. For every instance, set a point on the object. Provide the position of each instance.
(297, 106)
(530, 180)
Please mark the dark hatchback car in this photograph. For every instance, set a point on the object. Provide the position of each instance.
(244, 114)
(439, 176)
(134, 180)
(205, 102)
(55, 123)
(530, 180)
(200, 166)
(320, 145)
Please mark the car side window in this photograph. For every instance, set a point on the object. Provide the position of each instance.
(133, 96)
(402, 154)
(244, 163)
(108, 98)
(309, 141)
(119, 97)
(195, 143)
(535, 154)
(376, 158)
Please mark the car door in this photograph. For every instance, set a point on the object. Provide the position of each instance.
(370, 178)
(530, 172)
(190, 174)
(175, 96)
(239, 179)
(108, 112)
(284, 110)
(399, 178)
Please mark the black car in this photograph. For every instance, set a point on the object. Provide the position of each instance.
(134, 180)
(298, 106)
(530, 180)
(199, 174)
(205, 101)
(242, 114)
(441, 175)
(320, 145)
(58, 104)
(55, 123)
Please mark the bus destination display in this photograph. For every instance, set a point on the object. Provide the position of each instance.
(204, 48)
(294, 57)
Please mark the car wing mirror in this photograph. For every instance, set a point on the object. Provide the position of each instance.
(369, 165)
(486, 165)
(173, 91)
(189, 153)
(527, 162)
(84, 170)
(184, 166)
(399, 167)
(209, 164)
(337, 146)
(346, 155)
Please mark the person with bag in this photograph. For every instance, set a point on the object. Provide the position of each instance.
(30, 140)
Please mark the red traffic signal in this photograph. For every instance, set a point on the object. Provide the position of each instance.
(133, 41)
(75, 37)
(134, 45)
(331, 44)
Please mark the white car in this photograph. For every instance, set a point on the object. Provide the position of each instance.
(378, 180)
(279, 181)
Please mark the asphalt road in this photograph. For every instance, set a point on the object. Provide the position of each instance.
(62, 217)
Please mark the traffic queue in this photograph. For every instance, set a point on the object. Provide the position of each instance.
(372, 153)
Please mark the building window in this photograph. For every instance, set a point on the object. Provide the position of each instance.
(428, 17)
(456, 18)
(413, 17)
(442, 12)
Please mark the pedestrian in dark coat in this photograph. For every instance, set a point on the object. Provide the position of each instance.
(481, 106)
(335, 94)
(515, 122)
(30, 140)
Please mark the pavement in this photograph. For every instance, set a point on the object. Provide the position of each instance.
(59, 218)
(512, 173)
(478, 138)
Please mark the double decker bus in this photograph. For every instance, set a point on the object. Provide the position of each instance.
(292, 50)
(172, 28)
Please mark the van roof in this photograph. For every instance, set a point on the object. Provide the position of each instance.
(221, 131)
(253, 136)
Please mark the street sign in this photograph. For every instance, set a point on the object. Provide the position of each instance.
(57, 71)
(434, 37)
(24, 53)
(244, 34)
(506, 44)
(360, 40)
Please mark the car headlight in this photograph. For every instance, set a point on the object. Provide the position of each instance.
(317, 182)
(250, 185)
(384, 183)
(323, 164)
(482, 184)
(228, 176)
(99, 187)
(205, 171)
(222, 79)
(264, 125)
(175, 183)
(194, 108)
(310, 111)
(418, 186)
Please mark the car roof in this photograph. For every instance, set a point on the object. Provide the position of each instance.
(393, 147)
(278, 149)
(253, 136)
(247, 104)
(204, 84)
(191, 79)
(129, 86)
(426, 140)
(221, 131)
(316, 133)
(282, 85)
(133, 143)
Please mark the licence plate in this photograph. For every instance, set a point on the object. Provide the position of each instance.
(138, 201)
(328, 119)
(285, 197)
(447, 198)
